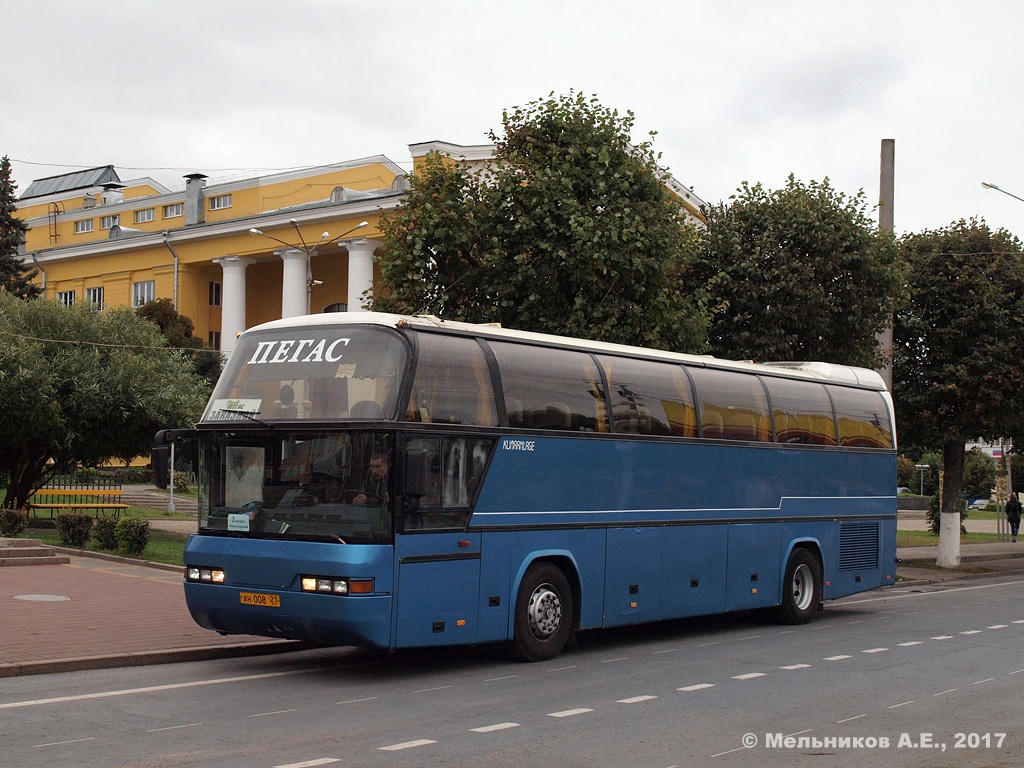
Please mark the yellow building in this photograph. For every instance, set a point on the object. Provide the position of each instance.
(232, 254)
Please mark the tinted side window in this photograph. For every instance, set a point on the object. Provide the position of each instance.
(732, 406)
(453, 384)
(863, 418)
(650, 398)
(802, 411)
(456, 468)
(551, 388)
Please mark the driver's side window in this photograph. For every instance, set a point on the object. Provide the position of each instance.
(456, 467)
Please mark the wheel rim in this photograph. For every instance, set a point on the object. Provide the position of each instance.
(544, 611)
(803, 587)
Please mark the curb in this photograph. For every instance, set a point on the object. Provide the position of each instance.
(145, 658)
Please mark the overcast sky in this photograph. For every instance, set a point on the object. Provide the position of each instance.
(737, 91)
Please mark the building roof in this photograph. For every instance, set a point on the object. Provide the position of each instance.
(66, 182)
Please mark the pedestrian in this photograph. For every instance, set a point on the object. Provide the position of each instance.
(1013, 510)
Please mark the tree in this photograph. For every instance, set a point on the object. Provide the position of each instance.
(799, 273)
(958, 344)
(81, 386)
(572, 230)
(979, 474)
(178, 330)
(14, 277)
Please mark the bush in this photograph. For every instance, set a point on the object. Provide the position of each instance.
(935, 515)
(103, 531)
(181, 482)
(74, 530)
(12, 522)
(132, 535)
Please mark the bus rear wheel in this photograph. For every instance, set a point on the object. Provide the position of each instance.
(801, 589)
(543, 613)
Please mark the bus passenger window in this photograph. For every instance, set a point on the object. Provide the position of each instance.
(650, 398)
(802, 411)
(733, 405)
(452, 384)
(554, 388)
(863, 418)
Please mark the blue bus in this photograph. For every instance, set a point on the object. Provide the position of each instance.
(391, 481)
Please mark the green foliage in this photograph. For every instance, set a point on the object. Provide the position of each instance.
(178, 330)
(132, 534)
(74, 530)
(12, 522)
(182, 483)
(572, 230)
(799, 273)
(79, 386)
(935, 515)
(979, 474)
(103, 533)
(959, 343)
(15, 277)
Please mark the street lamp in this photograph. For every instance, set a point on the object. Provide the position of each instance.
(922, 468)
(309, 250)
(986, 185)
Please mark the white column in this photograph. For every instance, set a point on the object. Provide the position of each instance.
(293, 285)
(232, 313)
(360, 272)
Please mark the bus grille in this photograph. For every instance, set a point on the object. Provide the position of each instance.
(858, 546)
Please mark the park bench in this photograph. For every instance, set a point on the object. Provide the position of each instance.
(78, 496)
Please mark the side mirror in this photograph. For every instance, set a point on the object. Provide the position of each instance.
(160, 460)
(417, 469)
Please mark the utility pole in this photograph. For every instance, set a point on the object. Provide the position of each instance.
(886, 191)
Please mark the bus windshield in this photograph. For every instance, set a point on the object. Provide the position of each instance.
(329, 486)
(324, 373)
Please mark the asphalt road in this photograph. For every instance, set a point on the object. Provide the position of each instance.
(875, 681)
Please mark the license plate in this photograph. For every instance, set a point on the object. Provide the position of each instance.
(258, 598)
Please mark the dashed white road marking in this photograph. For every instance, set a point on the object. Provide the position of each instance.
(943, 637)
(875, 650)
(407, 745)
(311, 763)
(840, 657)
(173, 727)
(943, 693)
(848, 719)
(986, 680)
(636, 699)
(697, 687)
(910, 643)
(748, 676)
(61, 743)
(268, 714)
(901, 704)
(359, 701)
(998, 626)
(570, 712)
(971, 632)
(495, 727)
(795, 666)
(438, 688)
(496, 679)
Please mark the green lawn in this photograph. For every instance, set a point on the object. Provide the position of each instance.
(163, 547)
(929, 539)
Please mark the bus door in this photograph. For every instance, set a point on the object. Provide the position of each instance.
(438, 580)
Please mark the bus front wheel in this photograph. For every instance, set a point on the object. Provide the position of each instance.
(801, 589)
(543, 613)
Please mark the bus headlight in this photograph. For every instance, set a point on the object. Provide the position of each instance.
(331, 586)
(203, 574)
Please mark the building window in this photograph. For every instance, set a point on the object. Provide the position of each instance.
(83, 226)
(146, 214)
(67, 298)
(143, 292)
(220, 201)
(215, 289)
(174, 209)
(214, 340)
(113, 220)
(95, 296)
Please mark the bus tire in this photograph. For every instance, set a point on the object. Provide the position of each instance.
(543, 613)
(801, 588)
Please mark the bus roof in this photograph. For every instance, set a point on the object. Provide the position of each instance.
(819, 371)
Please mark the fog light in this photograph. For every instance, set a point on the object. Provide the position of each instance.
(308, 584)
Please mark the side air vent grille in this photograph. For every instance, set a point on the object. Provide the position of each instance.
(858, 546)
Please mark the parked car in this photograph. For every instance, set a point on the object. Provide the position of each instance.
(979, 504)
(902, 490)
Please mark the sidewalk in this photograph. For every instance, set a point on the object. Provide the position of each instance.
(101, 613)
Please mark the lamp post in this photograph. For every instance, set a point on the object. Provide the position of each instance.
(922, 468)
(987, 185)
(309, 250)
